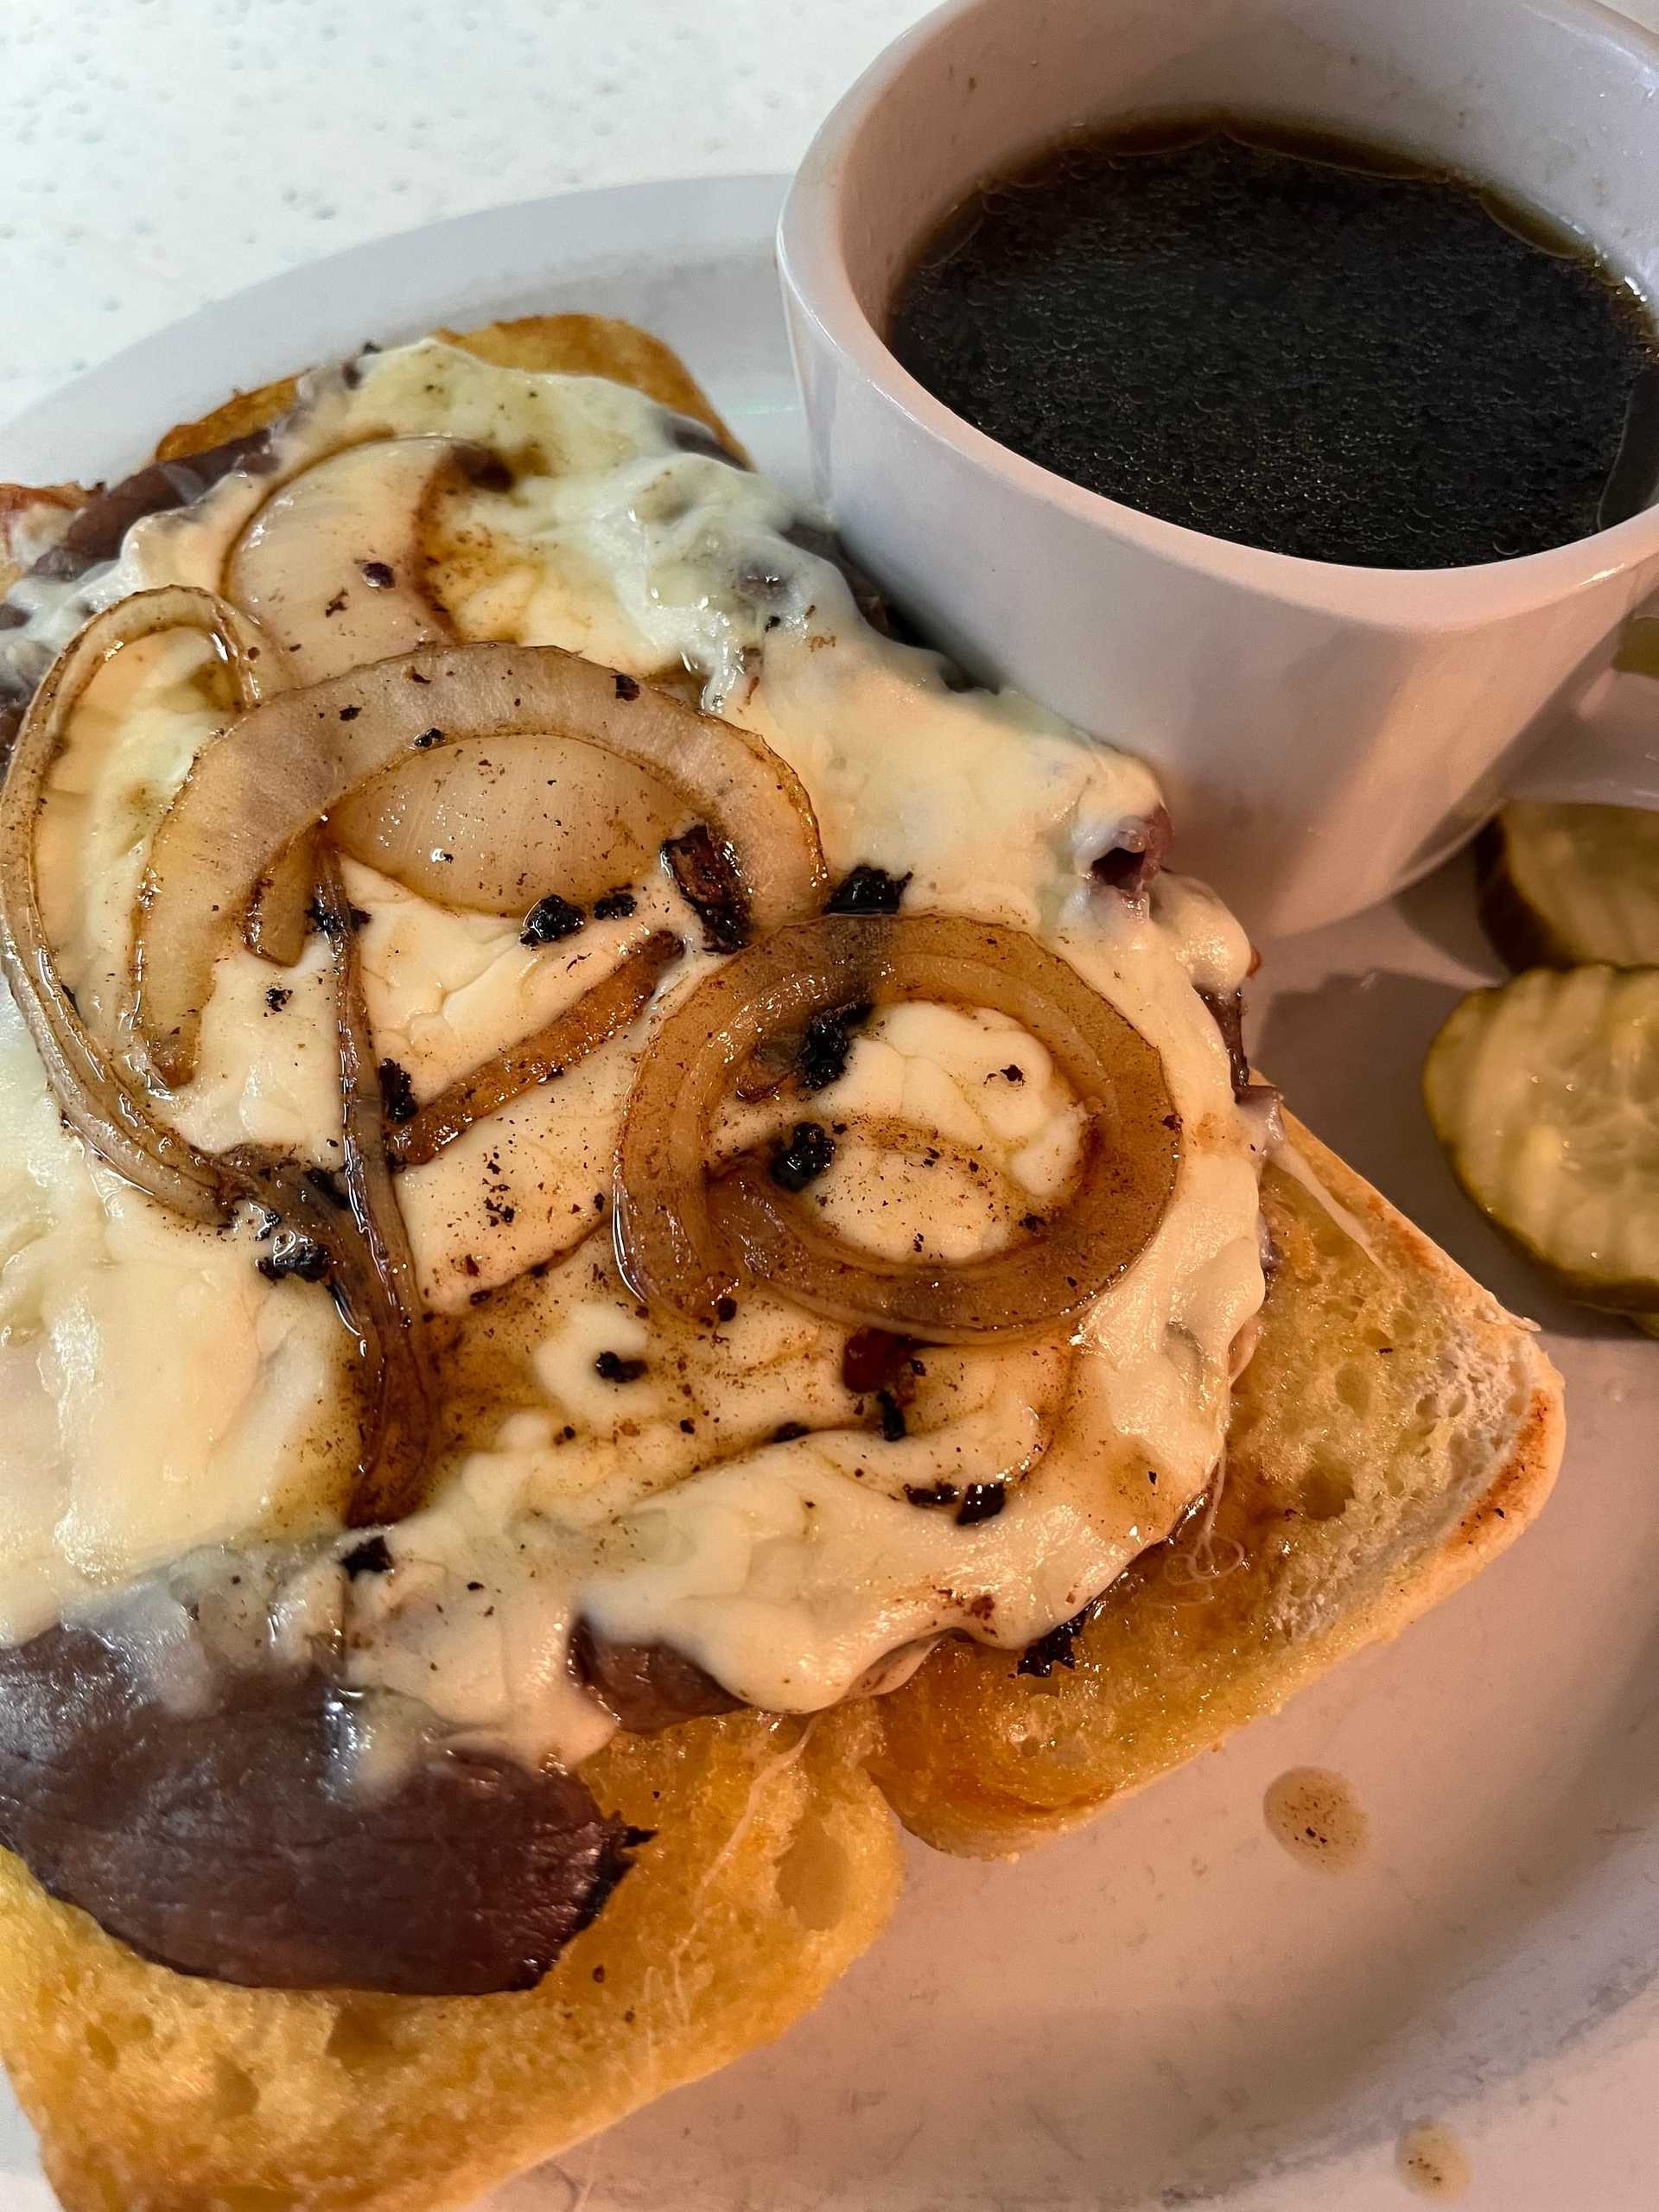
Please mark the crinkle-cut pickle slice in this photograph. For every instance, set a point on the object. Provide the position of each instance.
(1545, 1094)
(1563, 885)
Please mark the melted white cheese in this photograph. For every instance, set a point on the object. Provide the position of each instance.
(659, 1508)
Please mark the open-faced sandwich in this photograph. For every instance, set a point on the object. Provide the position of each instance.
(635, 1229)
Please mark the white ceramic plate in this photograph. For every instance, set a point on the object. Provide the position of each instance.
(1168, 2009)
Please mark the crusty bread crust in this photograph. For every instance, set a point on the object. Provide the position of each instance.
(566, 345)
(1394, 1432)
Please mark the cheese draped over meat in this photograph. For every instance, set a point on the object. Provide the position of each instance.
(727, 1492)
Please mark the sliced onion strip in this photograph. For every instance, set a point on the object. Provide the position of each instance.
(99, 1101)
(600, 1013)
(371, 1267)
(686, 1239)
(332, 564)
(375, 1282)
(279, 915)
(268, 780)
(333, 567)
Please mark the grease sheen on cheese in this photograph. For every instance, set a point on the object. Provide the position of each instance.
(664, 1507)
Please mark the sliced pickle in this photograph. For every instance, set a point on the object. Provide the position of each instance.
(1545, 1095)
(1564, 885)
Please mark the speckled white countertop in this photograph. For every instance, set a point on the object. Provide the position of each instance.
(157, 154)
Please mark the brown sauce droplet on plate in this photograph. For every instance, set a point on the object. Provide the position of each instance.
(1317, 1818)
(1433, 2163)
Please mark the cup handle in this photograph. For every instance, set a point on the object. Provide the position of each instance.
(1605, 752)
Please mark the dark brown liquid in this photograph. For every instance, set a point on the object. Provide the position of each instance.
(1317, 347)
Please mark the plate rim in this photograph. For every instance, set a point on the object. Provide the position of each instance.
(241, 340)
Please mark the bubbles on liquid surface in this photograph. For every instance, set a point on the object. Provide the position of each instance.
(1265, 345)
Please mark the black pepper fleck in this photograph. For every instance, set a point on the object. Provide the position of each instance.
(866, 890)
(370, 1557)
(611, 1367)
(893, 1424)
(396, 1092)
(802, 1157)
(291, 1254)
(551, 920)
(615, 906)
(379, 574)
(825, 1044)
(1054, 1650)
(982, 1502)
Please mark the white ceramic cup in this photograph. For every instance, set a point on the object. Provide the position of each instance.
(1328, 733)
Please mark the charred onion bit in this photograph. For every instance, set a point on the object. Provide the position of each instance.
(710, 886)
(613, 1004)
(223, 1835)
(270, 779)
(1130, 865)
(686, 1238)
(99, 1100)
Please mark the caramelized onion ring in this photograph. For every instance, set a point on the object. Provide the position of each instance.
(333, 565)
(611, 1006)
(368, 1266)
(276, 773)
(493, 827)
(685, 1239)
(100, 1103)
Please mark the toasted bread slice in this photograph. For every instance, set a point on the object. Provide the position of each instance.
(1394, 1432)
(569, 344)
(565, 344)
(775, 1862)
